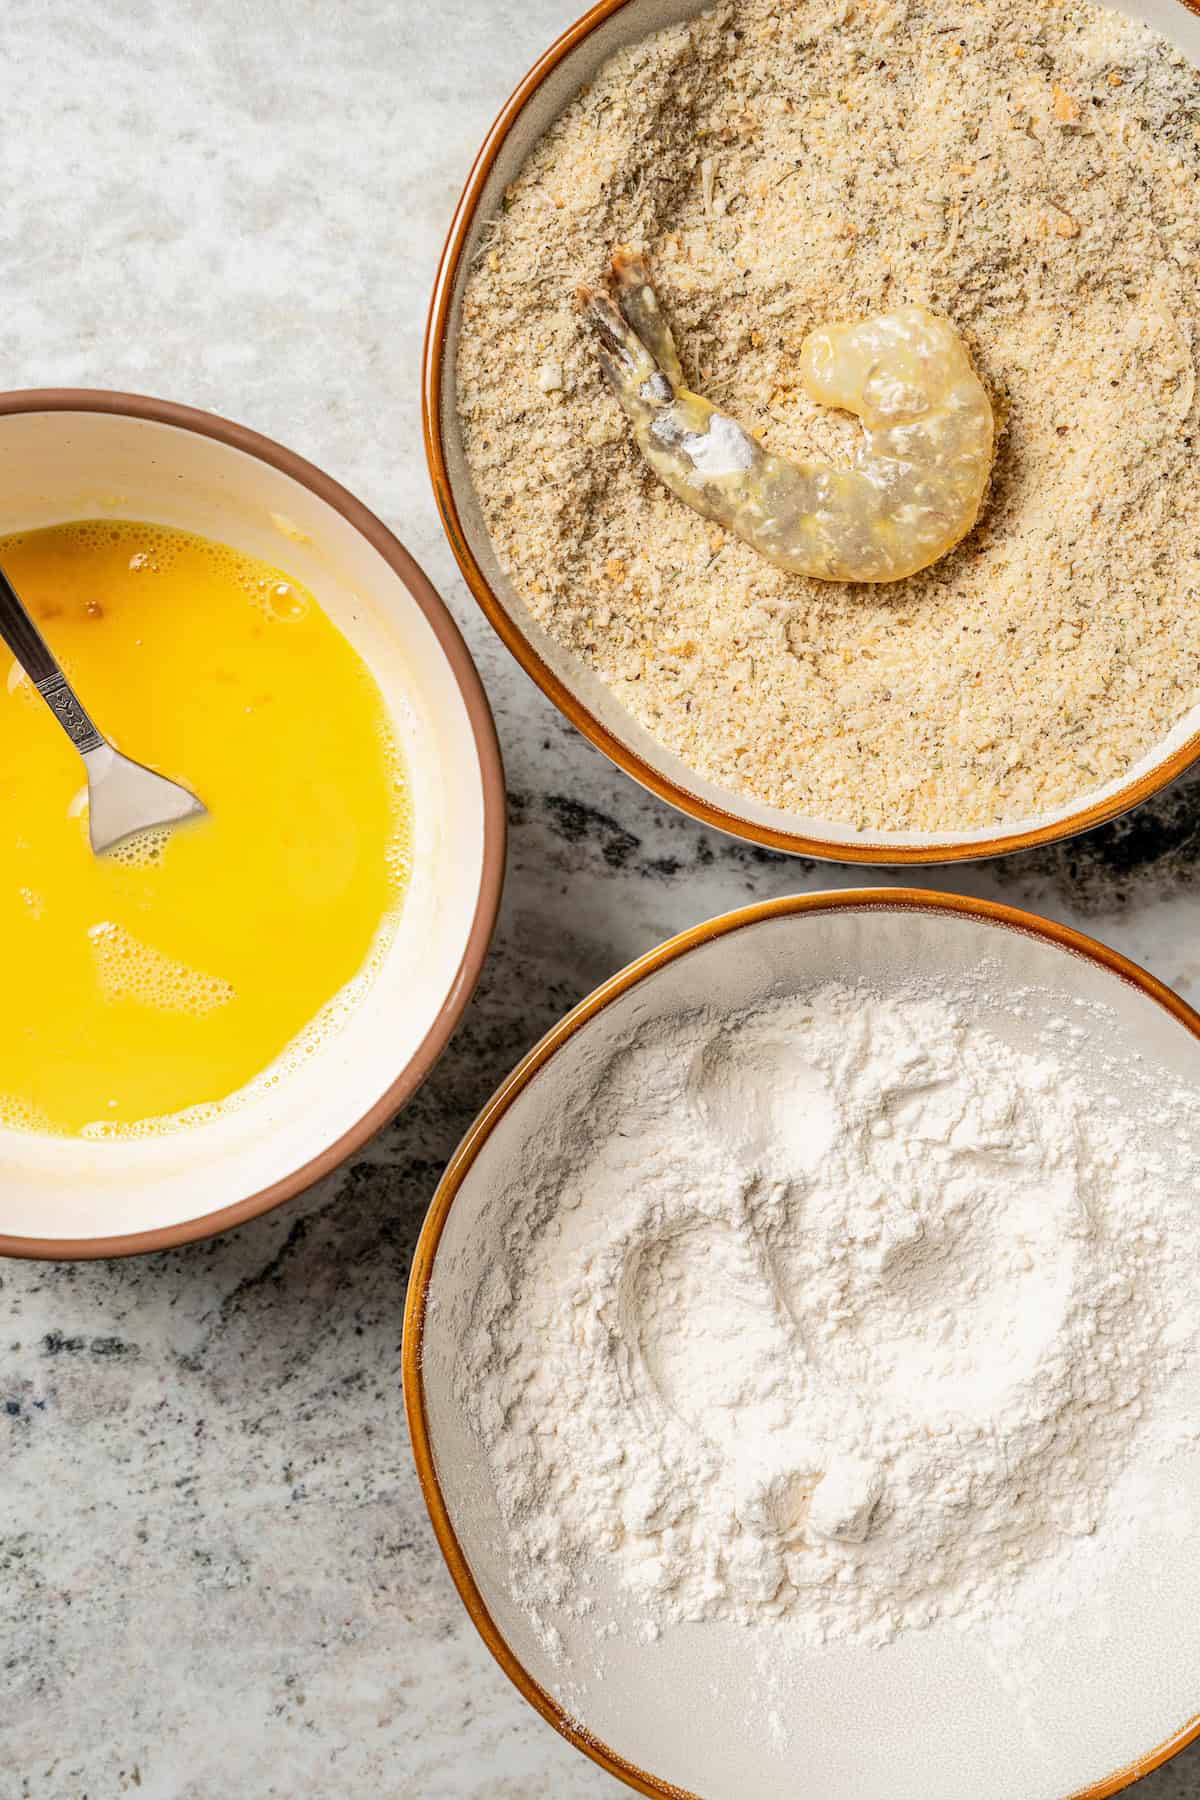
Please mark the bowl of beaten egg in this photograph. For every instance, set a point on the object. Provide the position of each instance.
(200, 1024)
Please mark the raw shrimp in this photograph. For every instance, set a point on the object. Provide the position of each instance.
(914, 490)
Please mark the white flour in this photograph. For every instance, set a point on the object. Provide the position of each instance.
(845, 1311)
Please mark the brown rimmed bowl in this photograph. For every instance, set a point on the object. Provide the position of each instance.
(1109, 1688)
(577, 691)
(74, 453)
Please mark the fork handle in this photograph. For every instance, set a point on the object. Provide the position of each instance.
(40, 664)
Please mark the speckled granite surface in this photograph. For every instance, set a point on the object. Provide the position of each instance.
(216, 1574)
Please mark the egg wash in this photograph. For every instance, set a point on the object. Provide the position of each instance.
(165, 976)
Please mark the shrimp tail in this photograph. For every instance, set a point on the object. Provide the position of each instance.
(630, 367)
(639, 304)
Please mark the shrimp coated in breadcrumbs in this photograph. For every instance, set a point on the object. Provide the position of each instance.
(915, 488)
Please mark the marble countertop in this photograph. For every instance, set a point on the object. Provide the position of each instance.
(217, 1573)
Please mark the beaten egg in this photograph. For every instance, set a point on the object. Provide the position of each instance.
(146, 986)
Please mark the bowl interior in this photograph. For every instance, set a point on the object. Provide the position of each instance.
(936, 1714)
(61, 466)
(584, 689)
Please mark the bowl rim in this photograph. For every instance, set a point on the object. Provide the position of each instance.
(434, 382)
(491, 775)
(993, 912)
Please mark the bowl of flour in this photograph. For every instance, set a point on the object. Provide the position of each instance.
(1030, 174)
(803, 1360)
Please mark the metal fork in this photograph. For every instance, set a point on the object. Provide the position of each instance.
(123, 795)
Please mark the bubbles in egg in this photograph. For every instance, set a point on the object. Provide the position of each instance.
(142, 849)
(286, 602)
(131, 970)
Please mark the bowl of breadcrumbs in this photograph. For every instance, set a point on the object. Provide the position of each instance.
(1029, 173)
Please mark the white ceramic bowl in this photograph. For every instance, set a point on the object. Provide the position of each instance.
(1106, 1692)
(590, 705)
(70, 454)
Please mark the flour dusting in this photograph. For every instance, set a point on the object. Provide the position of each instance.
(848, 1310)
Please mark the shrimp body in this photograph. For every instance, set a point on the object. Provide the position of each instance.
(914, 490)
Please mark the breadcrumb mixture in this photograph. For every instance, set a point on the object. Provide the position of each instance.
(1032, 171)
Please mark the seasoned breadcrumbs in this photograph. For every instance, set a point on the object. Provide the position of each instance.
(1030, 170)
